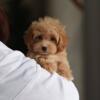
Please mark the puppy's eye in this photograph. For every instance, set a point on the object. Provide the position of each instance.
(53, 39)
(39, 37)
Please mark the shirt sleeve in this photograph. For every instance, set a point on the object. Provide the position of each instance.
(21, 78)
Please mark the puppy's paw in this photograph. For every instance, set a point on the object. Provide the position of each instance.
(50, 67)
(41, 60)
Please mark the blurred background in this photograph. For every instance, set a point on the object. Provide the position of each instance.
(82, 26)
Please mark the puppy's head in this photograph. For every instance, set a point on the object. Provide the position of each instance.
(46, 36)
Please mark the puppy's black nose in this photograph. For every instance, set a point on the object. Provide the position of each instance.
(44, 49)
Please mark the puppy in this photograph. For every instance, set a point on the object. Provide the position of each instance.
(46, 41)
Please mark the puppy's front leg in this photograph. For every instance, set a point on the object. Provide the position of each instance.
(64, 71)
(47, 64)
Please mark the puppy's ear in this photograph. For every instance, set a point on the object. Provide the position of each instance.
(63, 40)
(28, 38)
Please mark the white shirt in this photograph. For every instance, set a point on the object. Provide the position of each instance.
(21, 78)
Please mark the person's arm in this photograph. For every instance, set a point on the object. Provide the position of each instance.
(21, 78)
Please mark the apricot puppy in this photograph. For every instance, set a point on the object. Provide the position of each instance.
(46, 41)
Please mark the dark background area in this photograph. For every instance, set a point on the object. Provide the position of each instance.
(92, 50)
